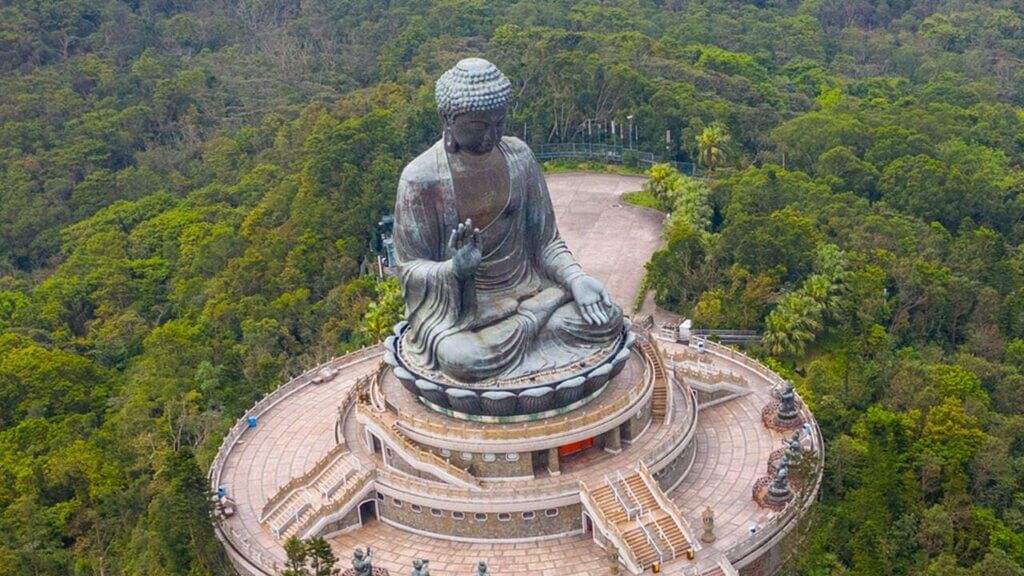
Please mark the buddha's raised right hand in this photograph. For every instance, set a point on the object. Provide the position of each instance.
(464, 245)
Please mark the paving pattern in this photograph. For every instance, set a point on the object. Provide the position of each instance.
(286, 443)
(732, 452)
(395, 550)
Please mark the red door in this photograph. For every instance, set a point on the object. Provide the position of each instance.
(575, 447)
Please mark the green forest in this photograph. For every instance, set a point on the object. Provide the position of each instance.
(190, 190)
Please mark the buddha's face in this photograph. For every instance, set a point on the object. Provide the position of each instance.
(478, 132)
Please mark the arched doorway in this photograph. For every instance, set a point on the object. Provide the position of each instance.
(367, 512)
(588, 524)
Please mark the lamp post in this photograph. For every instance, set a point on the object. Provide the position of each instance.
(630, 118)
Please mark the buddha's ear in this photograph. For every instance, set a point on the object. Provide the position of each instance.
(451, 146)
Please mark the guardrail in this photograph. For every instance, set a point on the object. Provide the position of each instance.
(667, 505)
(607, 153)
(741, 358)
(322, 515)
(422, 456)
(455, 495)
(709, 377)
(781, 524)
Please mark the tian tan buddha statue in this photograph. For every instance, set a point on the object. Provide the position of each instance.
(493, 294)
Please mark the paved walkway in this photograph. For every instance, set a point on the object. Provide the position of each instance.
(732, 453)
(395, 550)
(611, 239)
(286, 443)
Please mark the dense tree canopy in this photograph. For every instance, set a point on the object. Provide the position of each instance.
(189, 192)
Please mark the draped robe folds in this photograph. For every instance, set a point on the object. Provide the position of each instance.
(515, 318)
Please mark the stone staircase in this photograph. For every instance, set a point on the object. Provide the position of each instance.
(640, 516)
(303, 503)
(660, 396)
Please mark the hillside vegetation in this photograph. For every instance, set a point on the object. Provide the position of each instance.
(189, 192)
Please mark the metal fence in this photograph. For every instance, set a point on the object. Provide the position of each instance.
(608, 153)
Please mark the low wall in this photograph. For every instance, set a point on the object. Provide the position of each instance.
(482, 526)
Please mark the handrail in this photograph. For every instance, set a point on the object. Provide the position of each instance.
(355, 484)
(667, 504)
(610, 530)
(302, 482)
(651, 541)
(619, 498)
(661, 533)
(526, 430)
(423, 456)
(639, 504)
(411, 484)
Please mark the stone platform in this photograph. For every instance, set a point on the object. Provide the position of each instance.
(722, 454)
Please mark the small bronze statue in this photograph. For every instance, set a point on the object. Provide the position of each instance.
(778, 490)
(420, 568)
(793, 449)
(787, 406)
(362, 563)
(481, 569)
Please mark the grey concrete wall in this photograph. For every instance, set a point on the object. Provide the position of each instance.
(479, 466)
(567, 520)
(347, 521)
(635, 425)
(670, 475)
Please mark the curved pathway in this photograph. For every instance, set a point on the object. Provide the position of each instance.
(286, 443)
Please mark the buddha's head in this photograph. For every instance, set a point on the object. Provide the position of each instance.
(473, 98)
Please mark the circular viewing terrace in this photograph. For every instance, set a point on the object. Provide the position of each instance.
(344, 451)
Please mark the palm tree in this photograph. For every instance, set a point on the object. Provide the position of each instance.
(792, 325)
(711, 146)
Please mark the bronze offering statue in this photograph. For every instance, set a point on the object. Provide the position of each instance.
(420, 567)
(362, 563)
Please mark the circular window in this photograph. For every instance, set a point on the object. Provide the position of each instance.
(467, 456)
(512, 456)
(446, 453)
(490, 457)
(480, 517)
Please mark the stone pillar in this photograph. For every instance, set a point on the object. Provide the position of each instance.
(553, 468)
(613, 440)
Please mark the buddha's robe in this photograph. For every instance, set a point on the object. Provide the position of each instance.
(515, 318)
